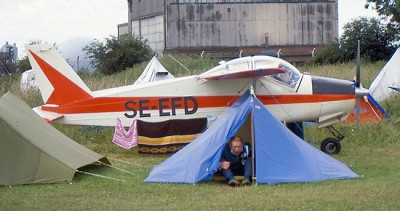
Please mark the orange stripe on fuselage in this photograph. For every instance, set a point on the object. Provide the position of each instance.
(65, 91)
(119, 104)
(294, 99)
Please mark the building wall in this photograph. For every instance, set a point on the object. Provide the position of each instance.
(123, 29)
(236, 25)
(195, 24)
(152, 29)
(146, 8)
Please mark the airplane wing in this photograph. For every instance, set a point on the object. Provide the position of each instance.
(47, 115)
(253, 73)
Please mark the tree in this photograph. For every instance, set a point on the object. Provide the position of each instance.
(377, 42)
(23, 65)
(330, 54)
(117, 54)
(388, 9)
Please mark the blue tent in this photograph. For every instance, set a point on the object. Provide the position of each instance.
(280, 156)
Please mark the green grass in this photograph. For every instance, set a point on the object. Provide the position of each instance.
(373, 154)
(347, 71)
(376, 190)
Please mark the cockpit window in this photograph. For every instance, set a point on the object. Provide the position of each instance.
(291, 75)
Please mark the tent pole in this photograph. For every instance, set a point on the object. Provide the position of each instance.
(253, 176)
(252, 149)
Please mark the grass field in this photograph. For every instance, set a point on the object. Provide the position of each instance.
(373, 154)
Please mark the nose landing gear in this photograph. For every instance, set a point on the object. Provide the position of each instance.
(332, 145)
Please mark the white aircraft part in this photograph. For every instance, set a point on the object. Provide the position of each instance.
(51, 55)
(47, 115)
(104, 118)
(388, 76)
(184, 86)
(306, 85)
(166, 99)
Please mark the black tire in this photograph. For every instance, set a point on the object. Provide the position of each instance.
(331, 146)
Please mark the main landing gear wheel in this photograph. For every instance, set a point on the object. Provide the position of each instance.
(331, 146)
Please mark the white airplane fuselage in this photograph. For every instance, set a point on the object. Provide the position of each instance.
(308, 98)
(189, 97)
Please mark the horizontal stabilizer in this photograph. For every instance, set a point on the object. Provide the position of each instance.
(253, 73)
(47, 115)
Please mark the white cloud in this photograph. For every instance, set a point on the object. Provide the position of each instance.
(350, 10)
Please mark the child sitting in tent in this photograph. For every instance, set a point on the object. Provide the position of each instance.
(236, 160)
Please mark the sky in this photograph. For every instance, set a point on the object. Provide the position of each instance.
(59, 21)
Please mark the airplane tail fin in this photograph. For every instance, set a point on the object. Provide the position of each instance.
(58, 82)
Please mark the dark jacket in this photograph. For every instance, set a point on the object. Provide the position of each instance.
(237, 162)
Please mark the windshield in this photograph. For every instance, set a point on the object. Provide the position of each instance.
(290, 76)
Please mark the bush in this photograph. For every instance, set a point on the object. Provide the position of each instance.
(118, 54)
(378, 42)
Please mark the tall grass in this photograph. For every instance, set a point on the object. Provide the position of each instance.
(183, 65)
(372, 152)
(11, 83)
(347, 71)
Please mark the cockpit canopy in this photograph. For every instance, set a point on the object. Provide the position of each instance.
(290, 77)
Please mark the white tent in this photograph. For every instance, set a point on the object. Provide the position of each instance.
(28, 80)
(154, 71)
(388, 76)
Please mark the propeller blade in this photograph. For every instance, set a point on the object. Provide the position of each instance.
(358, 87)
(358, 65)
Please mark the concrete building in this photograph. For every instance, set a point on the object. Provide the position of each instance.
(8, 55)
(190, 25)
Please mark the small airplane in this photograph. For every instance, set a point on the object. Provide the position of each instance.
(290, 95)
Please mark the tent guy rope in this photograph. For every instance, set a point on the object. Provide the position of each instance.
(116, 168)
(98, 175)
